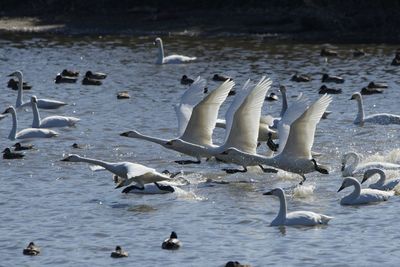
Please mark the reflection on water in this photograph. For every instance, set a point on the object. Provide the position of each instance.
(77, 217)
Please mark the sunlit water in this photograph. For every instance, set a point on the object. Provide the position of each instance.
(77, 217)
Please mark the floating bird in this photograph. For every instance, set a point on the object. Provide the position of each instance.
(119, 253)
(31, 250)
(65, 79)
(325, 90)
(171, 243)
(326, 52)
(7, 154)
(123, 95)
(326, 78)
(358, 52)
(172, 59)
(90, 81)
(236, 264)
(13, 84)
(371, 91)
(75, 145)
(300, 78)
(221, 78)
(95, 75)
(299, 218)
(377, 85)
(362, 196)
(271, 97)
(19, 147)
(381, 183)
(186, 81)
(70, 73)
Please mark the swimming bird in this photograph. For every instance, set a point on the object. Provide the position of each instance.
(355, 167)
(119, 253)
(13, 84)
(298, 218)
(19, 147)
(172, 242)
(377, 85)
(236, 264)
(127, 172)
(380, 184)
(65, 79)
(70, 73)
(95, 75)
(300, 78)
(185, 80)
(381, 118)
(325, 90)
(172, 59)
(326, 52)
(326, 78)
(123, 95)
(90, 81)
(271, 97)
(51, 121)
(221, 78)
(28, 132)
(154, 188)
(31, 250)
(371, 91)
(7, 154)
(362, 196)
(296, 137)
(41, 103)
(359, 52)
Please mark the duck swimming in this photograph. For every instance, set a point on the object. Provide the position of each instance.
(70, 73)
(272, 97)
(19, 147)
(90, 81)
(65, 79)
(325, 90)
(300, 78)
(185, 80)
(370, 91)
(95, 75)
(326, 52)
(7, 154)
(172, 242)
(31, 250)
(13, 84)
(326, 78)
(358, 52)
(123, 95)
(119, 253)
(221, 78)
(377, 85)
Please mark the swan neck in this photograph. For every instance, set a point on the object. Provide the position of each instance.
(13, 132)
(357, 190)
(284, 103)
(151, 139)
(382, 178)
(352, 166)
(20, 89)
(360, 113)
(104, 164)
(36, 116)
(281, 217)
(160, 58)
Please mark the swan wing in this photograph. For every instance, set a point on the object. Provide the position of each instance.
(204, 116)
(36, 133)
(267, 119)
(244, 127)
(189, 99)
(307, 218)
(144, 174)
(301, 131)
(58, 121)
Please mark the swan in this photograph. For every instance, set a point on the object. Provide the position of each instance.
(42, 103)
(52, 121)
(296, 135)
(172, 242)
(173, 59)
(380, 184)
(196, 118)
(127, 172)
(28, 132)
(362, 196)
(356, 167)
(119, 253)
(31, 250)
(299, 218)
(382, 118)
(154, 188)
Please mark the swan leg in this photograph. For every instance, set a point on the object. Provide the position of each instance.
(270, 170)
(270, 143)
(318, 168)
(185, 162)
(304, 179)
(132, 187)
(171, 174)
(230, 171)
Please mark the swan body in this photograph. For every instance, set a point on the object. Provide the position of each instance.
(28, 132)
(382, 118)
(356, 167)
(49, 122)
(127, 172)
(299, 218)
(172, 59)
(41, 103)
(381, 183)
(362, 196)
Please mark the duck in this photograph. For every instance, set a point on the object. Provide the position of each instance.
(370, 91)
(51, 121)
(355, 167)
(70, 73)
(236, 264)
(172, 59)
(325, 90)
(358, 52)
(123, 95)
(362, 196)
(13, 84)
(221, 78)
(42, 103)
(95, 75)
(185, 80)
(90, 81)
(19, 147)
(326, 52)
(272, 97)
(119, 253)
(31, 250)
(154, 188)
(380, 118)
(297, 218)
(7, 154)
(377, 85)
(28, 132)
(127, 172)
(75, 145)
(171, 243)
(395, 62)
(380, 184)
(65, 79)
(326, 78)
(300, 78)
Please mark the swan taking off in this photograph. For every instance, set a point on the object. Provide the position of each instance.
(41, 103)
(380, 184)
(172, 59)
(52, 121)
(362, 196)
(28, 132)
(127, 172)
(381, 118)
(355, 167)
(300, 218)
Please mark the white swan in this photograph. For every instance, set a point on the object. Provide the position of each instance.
(355, 167)
(127, 172)
(52, 121)
(172, 59)
(196, 118)
(41, 103)
(380, 184)
(381, 118)
(299, 218)
(362, 196)
(28, 132)
(296, 135)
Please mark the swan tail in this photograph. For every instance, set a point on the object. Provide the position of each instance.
(325, 219)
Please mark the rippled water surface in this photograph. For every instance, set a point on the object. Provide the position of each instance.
(77, 216)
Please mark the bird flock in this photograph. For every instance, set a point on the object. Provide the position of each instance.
(290, 137)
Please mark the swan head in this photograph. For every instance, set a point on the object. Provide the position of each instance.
(72, 158)
(282, 89)
(33, 99)
(347, 182)
(10, 109)
(17, 74)
(274, 192)
(371, 172)
(157, 41)
(356, 96)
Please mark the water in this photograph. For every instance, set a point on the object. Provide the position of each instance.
(77, 217)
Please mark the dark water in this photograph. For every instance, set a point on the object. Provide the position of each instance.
(77, 217)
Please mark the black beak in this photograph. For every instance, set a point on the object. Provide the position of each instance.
(5, 112)
(364, 179)
(351, 98)
(66, 159)
(121, 184)
(124, 134)
(10, 75)
(267, 193)
(341, 188)
(169, 143)
(342, 169)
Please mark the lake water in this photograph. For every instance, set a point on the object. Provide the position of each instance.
(77, 217)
